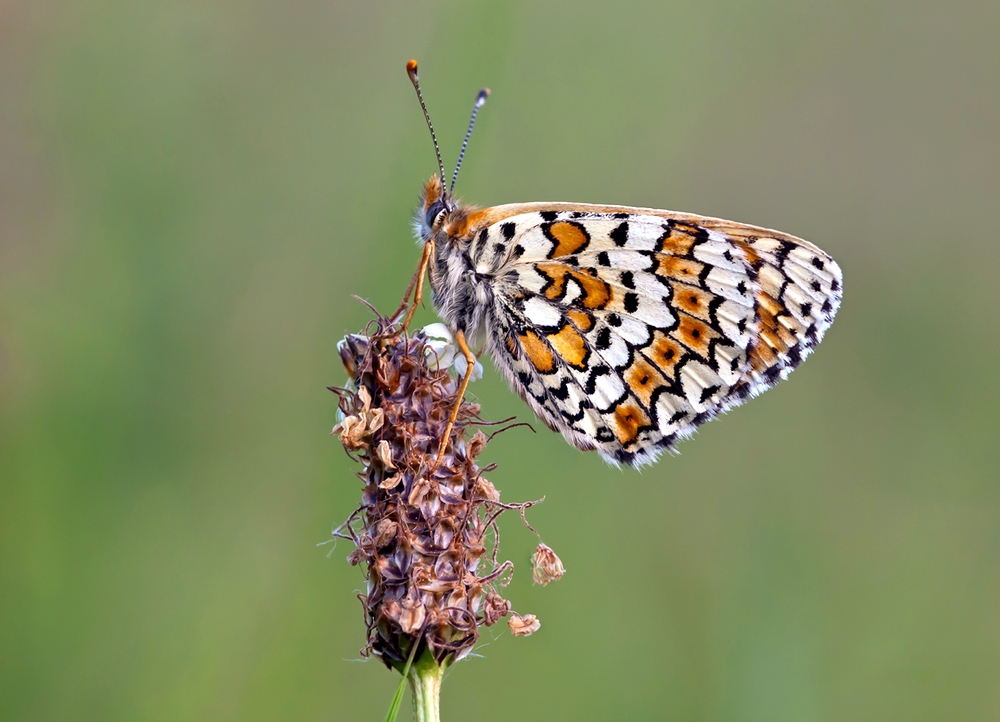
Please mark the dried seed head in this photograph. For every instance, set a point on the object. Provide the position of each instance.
(432, 578)
(546, 566)
(523, 626)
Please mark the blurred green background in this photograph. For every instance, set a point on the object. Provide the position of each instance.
(191, 191)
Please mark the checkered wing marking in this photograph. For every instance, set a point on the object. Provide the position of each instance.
(626, 328)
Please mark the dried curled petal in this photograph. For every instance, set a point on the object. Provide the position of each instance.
(475, 445)
(495, 607)
(486, 490)
(374, 419)
(523, 626)
(546, 566)
(365, 398)
(385, 532)
(412, 616)
(390, 482)
(352, 433)
(383, 453)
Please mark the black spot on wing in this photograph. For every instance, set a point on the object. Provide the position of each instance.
(707, 392)
(782, 251)
(620, 234)
(598, 370)
(561, 392)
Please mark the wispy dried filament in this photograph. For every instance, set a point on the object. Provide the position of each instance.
(429, 541)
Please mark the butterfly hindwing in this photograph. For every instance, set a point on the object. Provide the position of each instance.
(626, 328)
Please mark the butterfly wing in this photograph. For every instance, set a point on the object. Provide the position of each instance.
(626, 328)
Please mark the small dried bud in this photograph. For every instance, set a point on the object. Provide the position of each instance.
(546, 566)
(350, 433)
(391, 482)
(348, 355)
(486, 490)
(366, 399)
(375, 419)
(418, 492)
(356, 557)
(412, 616)
(385, 532)
(383, 452)
(523, 626)
(494, 607)
(475, 445)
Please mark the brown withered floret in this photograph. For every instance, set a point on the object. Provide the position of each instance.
(429, 540)
(546, 566)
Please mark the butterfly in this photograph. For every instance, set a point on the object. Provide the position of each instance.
(623, 328)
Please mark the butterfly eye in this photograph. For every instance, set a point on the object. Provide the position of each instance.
(436, 209)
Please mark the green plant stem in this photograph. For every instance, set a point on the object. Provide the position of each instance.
(425, 686)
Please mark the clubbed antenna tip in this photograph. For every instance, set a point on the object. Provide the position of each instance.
(481, 97)
(411, 71)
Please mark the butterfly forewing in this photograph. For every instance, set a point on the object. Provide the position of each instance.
(626, 328)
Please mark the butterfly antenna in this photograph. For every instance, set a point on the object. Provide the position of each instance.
(411, 70)
(480, 99)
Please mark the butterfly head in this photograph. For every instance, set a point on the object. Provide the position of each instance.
(435, 207)
(438, 204)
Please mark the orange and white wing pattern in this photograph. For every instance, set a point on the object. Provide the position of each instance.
(626, 328)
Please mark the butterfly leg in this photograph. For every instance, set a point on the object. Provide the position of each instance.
(470, 359)
(418, 281)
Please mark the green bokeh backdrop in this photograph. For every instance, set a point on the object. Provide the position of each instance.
(191, 191)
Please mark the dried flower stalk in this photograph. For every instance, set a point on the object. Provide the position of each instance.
(429, 541)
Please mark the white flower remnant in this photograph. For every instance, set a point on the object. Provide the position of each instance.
(442, 352)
